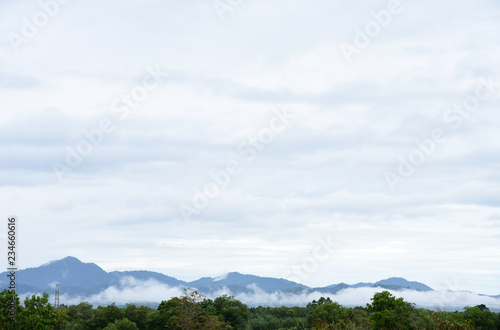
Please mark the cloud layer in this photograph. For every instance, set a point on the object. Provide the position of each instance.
(151, 292)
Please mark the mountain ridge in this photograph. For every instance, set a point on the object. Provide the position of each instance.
(79, 278)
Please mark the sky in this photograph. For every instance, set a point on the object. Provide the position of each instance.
(318, 141)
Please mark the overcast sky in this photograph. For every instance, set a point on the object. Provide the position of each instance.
(320, 141)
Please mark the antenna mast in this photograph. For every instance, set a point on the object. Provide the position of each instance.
(56, 299)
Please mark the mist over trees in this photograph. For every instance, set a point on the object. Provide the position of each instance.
(195, 311)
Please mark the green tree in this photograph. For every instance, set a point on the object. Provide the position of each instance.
(389, 312)
(38, 313)
(166, 315)
(481, 318)
(191, 314)
(208, 306)
(62, 317)
(187, 312)
(107, 315)
(138, 315)
(9, 319)
(122, 324)
(425, 319)
(449, 320)
(329, 315)
(80, 316)
(232, 311)
(320, 301)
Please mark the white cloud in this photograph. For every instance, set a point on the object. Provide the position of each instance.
(130, 290)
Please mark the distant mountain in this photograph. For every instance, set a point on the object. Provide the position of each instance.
(334, 288)
(361, 285)
(393, 283)
(238, 283)
(398, 282)
(144, 275)
(77, 278)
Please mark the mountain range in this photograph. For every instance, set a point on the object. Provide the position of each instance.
(84, 279)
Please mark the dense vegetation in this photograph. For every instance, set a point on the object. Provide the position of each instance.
(195, 311)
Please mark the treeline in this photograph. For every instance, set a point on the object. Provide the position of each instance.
(195, 311)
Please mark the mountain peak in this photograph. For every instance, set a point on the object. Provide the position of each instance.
(67, 260)
(401, 282)
(81, 278)
(71, 259)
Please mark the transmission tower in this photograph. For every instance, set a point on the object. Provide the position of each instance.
(56, 298)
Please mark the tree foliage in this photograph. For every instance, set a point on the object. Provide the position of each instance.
(232, 311)
(195, 311)
(389, 312)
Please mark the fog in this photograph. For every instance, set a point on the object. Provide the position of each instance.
(151, 292)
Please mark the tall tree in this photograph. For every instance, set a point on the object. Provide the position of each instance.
(232, 311)
(9, 310)
(38, 313)
(389, 312)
